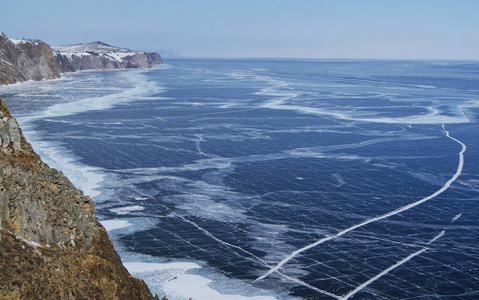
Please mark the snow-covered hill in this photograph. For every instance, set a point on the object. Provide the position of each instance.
(98, 55)
(22, 60)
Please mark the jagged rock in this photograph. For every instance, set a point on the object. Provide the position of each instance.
(155, 58)
(26, 60)
(22, 60)
(9, 133)
(51, 244)
(11, 127)
(4, 137)
(98, 55)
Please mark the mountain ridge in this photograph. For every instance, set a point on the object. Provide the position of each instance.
(51, 244)
(22, 60)
(99, 55)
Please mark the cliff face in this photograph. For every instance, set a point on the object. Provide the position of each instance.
(35, 60)
(26, 60)
(98, 55)
(51, 244)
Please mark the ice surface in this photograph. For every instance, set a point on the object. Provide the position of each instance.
(234, 166)
(127, 209)
(115, 224)
(138, 267)
(202, 291)
(197, 287)
(387, 215)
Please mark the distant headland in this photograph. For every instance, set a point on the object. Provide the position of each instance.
(22, 60)
(51, 244)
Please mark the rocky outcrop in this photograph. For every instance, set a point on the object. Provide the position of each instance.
(98, 55)
(22, 60)
(155, 58)
(51, 244)
(9, 133)
(26, 60)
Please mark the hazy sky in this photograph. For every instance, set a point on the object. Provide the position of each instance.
(256, 28)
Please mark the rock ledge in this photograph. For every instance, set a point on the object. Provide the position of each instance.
(51, 244)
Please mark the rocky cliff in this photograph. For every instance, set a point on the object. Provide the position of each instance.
(51, 244)
(22, 60)
(98, 55)
(26, 60)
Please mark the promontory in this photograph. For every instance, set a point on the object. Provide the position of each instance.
(51, 244)
(22, 60)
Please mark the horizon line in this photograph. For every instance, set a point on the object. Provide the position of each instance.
(315, 58)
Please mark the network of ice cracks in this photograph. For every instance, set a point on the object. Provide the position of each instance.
(276, 269)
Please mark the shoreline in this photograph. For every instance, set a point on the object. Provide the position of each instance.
(119, 225)
(70, 236)
(51, 153)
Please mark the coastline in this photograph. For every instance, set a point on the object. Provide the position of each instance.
(38, 249)
(37, 66)
(140, 211)
(147, 268)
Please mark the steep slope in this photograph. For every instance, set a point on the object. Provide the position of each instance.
(51, 244)
(26, 60)
(22, 60)
(98, 55)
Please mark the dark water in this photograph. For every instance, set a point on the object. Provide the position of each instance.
(231, 166)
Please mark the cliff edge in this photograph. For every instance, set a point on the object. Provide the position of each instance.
(98, 55)
(51, 244)
(26, 60)
(22, 60)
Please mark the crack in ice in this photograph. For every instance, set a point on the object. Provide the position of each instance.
(256, 257)
(384, 216)
(384, 272)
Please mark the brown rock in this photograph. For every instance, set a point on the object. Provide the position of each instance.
(27, 60)
(51, 244)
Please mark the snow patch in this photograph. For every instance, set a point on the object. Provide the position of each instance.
(127, 209)
(115, 224)
(175, 278)
(95, 48)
